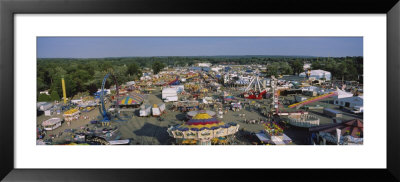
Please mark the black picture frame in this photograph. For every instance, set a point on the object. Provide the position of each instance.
(9, 8)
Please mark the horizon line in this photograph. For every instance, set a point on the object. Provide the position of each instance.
(195, 56)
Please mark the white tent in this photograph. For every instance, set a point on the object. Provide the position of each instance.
(318, 74)
(350, 101)
(343, 94)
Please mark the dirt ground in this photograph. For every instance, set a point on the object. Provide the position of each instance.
(152, 131)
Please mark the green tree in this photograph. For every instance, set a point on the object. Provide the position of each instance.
(272, 69)
(285, 69)
(297, 66)
(92, 88)
(43, 98)
(134, 70)
(41, 85)
(316, 65)
(157, 67)
(54, 96)
(342, 70)
(105, 65)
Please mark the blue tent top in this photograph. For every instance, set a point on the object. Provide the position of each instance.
(205, 69)
(195, 68)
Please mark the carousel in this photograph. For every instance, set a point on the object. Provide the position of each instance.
(191, 114)
(202, 129)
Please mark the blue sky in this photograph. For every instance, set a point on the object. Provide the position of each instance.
(99, 47)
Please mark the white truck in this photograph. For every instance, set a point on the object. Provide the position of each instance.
(357, 109)
(157, 110)
(171, 99)
(45, 106)
(145, 110)
(162, 107)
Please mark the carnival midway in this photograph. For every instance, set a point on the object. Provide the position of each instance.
(207, 104)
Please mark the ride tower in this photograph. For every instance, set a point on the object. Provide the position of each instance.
(103, 111)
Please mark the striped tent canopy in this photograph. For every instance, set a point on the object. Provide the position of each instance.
(191, 114)
(214, 126)
(202, 118)
(132, 99)
(186, 127)
(201, 121)
(229, 97)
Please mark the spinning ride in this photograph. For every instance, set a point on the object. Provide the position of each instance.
(107, 116)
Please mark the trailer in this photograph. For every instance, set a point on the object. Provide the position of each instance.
(145, 110)
(48, 112)
(313, 107)
(162, 107)
(158, 110)
(45, 106)
(171, 99)
(40, 104)
(332, 113)
(52, 123)
(169, 92)
(357, 109)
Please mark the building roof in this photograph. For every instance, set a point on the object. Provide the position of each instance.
(352, 126)
(352, 99)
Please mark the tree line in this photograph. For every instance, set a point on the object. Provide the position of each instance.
(348, 68)
(86, 75)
